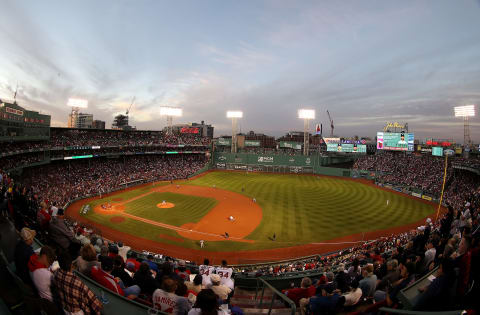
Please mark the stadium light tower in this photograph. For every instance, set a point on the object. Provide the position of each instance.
(170, 112)
(75, 104)
(465, 112)
(234, 115)
(306, 115)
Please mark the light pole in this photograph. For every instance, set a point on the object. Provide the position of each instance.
(170, 112)
(306, 115)
(465, 112)
(234, 115)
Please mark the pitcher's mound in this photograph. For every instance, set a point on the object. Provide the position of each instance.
(164, 205)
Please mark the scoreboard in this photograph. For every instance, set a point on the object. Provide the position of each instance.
(347, 147)
(397, 141)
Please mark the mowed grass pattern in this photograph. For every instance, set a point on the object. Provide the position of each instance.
(298, 209)
(187, 208)
(306, 209)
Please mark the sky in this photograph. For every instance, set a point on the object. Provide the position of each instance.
(367, 62)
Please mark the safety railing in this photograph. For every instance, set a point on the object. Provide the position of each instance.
(263, 284)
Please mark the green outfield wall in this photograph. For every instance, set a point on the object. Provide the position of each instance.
(281, 163)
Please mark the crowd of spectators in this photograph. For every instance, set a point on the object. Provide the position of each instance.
(417, 171)
(21, 160)
(82, 137)
(60, 182)
(373, 272)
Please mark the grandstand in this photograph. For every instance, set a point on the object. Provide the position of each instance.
(431, 268)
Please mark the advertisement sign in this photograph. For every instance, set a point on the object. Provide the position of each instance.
(252, 143)
(458, 150)
(416, 195)
(437, 151)
(291, 145)
(14, 111)
(440, 142)
(331, 140)
(397, 141)
(265, 159)
(427, 197)
(189, 130)
(226, 142)
(346, 147)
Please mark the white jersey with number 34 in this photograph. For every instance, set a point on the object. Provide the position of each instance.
(205, 271)
(225, 276)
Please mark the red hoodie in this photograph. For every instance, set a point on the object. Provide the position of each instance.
(34, 264)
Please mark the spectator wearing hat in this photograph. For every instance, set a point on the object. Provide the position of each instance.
(221, 290)
(23, 251)
(182, 270)
(59, 232)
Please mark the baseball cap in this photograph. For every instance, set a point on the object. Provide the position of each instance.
(60, 211)
(27, 234)
(215, 278)
(181, 263)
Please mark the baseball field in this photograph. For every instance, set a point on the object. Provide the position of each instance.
(252, 216)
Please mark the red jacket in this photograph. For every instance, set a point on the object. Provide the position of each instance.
(106, 279)
(34, 264)
(135, 262)
(296, 294)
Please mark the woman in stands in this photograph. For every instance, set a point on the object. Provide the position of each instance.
(206, 304)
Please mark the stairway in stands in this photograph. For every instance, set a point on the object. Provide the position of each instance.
(245, 299)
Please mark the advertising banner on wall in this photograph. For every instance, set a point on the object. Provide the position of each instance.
(291, 145)
(226, 142)
(252, 143)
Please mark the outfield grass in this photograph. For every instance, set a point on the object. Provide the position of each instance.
(305, 209)
(298, 209)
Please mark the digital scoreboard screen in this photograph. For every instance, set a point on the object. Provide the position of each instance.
(437, 151)
(346, 147)
(397, 141)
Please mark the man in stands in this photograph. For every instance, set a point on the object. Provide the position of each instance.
(123, 250)
(167, 301)
(133, 260)
(325, 302)
(23, 251)
(182, 270)
(59, 232)
(369, 281)
(104, 277)
(221, 290)
(74, 295)
(305, 291)
(43, 217)
(151, 263)
(39, 271)
(205, 270)
(225, 274)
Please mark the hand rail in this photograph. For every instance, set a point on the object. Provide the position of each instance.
(264, 283)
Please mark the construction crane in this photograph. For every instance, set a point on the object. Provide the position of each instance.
(131, 104)
(331, 123)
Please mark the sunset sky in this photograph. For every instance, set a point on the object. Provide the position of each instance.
(367, 62)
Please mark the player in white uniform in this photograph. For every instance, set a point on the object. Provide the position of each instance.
(205, 270)
(225, 274)
(202, 243)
